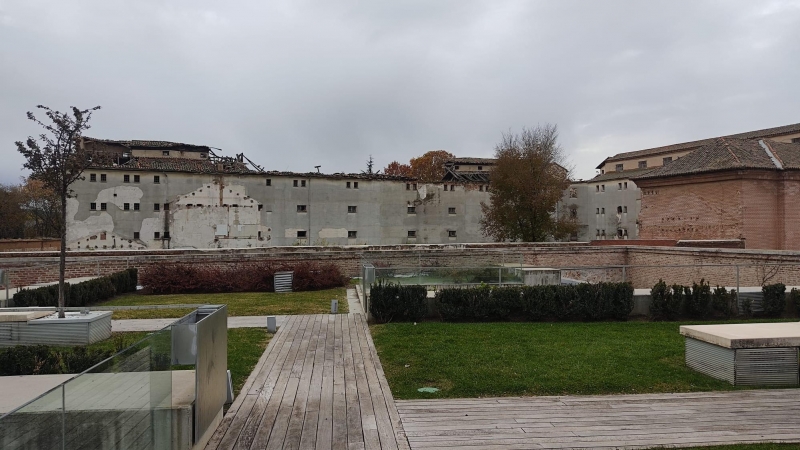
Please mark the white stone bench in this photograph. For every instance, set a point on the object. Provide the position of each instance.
(763, 354)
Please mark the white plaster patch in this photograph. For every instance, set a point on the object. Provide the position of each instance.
(423, 191)
(81, 229)
(329, 233)
(124, 194)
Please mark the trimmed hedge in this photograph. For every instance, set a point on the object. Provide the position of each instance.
(774, 299)
(41, 359)
(723, 302)
(587, 302)
(666, 302)
(80, 294)
(393, 302)
(243, 277)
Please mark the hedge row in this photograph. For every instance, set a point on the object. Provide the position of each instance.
(243, 277)
(602, 301)
(700, 302)
(80, 294)
(41, 359)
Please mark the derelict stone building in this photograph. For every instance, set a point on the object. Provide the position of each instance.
(154, 194)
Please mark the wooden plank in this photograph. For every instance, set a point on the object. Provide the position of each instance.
(355, 434)
(308, 436)
(295, 425)
(368, 422)
(325, 421)
(339, 436)
(282, 383)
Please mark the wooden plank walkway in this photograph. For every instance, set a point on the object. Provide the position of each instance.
(613, 421)
(318, 385)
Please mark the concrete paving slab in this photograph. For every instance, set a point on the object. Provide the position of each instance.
(746, 335)
(127, 325)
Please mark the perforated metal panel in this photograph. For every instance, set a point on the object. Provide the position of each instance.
(756, 301)
(283, 281)
(767, 366)
(712, 360)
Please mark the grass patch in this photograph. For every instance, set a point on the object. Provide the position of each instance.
(765, 446)
(467, 360)
(245, 346)
(239, 303)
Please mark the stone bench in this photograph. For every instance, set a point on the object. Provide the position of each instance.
(757, 354)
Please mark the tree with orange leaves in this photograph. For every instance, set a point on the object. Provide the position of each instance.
(428, 168)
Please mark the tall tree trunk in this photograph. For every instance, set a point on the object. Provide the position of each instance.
(62, 259)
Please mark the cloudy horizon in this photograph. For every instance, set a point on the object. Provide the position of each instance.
(295, 84)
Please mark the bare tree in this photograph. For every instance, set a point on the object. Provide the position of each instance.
(57, 159)
(528, 180)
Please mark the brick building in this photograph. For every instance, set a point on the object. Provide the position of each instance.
(726, 189)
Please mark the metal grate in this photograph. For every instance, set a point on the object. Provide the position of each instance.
(756, 301)
(283, 281)
(710, 359)
(767, 366)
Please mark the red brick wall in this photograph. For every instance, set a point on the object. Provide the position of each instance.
(762, 218)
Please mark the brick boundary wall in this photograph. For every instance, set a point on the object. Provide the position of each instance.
(584, 261)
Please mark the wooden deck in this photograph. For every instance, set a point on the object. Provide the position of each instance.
(618, 421)
(319, 385)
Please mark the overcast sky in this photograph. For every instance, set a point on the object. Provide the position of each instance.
(294, 84)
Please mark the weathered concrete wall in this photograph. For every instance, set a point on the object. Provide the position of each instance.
(239, 211)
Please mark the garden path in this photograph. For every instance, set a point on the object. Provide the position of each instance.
(603, 421)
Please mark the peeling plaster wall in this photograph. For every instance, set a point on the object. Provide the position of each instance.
(239, 211)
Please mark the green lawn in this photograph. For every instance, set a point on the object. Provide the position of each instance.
(239, 303)
(767, 446)
(502, 359)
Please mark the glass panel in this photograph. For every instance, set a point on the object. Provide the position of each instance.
(37, 425)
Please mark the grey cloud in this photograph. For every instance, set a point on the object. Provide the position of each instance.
(295, 84)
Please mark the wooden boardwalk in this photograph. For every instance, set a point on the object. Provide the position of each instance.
(618, 421)
(319, 385)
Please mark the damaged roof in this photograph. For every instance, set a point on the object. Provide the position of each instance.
(468, 160)
(228, 165)
(732, 154)
(160, 145)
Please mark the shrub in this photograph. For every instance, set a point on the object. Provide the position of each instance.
(698, 300)
(80, 294)
(722, 301)
(774, 299)
(794, 297)
(601, 301)
(243, 277)
(666, 304)
(395, 303)
(41, 360)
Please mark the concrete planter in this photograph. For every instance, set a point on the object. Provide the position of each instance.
(44, 327)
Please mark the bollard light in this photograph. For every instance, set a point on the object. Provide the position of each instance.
(334, 306)
(272, 324)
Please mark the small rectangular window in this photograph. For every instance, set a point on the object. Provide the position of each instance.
(602, 232)
(348, 185)
(302, 208)
(480, 167)
(166, 206)
(102, 206)
(165, 153)
(351, 234)
(156, 179)
(452, 187)
(296, 183)
(126, 178)
(597, 188)
(620, 186)
(412, 233)
(457, 167)
(93, 206)
(602, 188)
(156, 235)
(260, 207)
(643, 164)
(602, 210)
(301, 233)
(102, 178)
(666, 160)
(157, 207)
(796, 140)
(166, 235)
(302, 183)
(135, 206)
(93, 177)
(355, 184)
(415, 186)
(598, 211)
(126, 206)
(625, 209)
(451, 233)
(351, 209)
(451, 210)
(619, 209)
(412, 210)
(136, 178)
(269, 181)
(625, 184)
(408, 186)
(136, 235)
(618, 167)
(480, 188)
